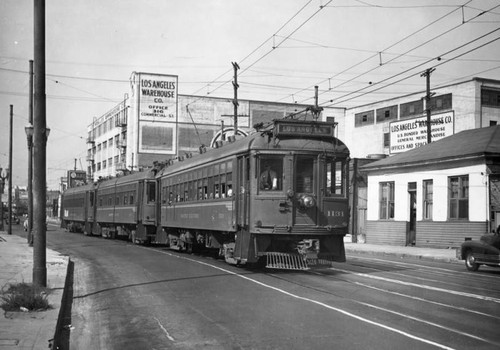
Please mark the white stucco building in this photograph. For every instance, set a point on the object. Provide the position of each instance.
(437, 195)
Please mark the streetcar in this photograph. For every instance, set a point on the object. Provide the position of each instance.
(278, 198)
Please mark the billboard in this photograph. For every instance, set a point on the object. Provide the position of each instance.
(409, 134)
(76, 178)
(157, 113)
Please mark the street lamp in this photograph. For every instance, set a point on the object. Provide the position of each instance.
(29, 134)
(4, 174)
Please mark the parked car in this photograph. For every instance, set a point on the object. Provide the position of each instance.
(486, 251)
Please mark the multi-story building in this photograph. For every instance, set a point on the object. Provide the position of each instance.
(466, 105)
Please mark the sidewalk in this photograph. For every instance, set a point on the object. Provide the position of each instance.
(432, 254)
(29, 330)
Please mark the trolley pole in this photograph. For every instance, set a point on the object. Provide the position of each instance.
(39, 149)
(235, 100)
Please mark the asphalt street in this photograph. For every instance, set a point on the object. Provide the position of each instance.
(134, 297)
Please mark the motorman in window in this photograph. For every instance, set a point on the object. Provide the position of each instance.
(268, 178)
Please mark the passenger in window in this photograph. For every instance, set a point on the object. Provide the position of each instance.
(268, 178)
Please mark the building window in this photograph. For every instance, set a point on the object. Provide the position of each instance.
(458, 197)
(110, 161)
(364, 118)
(427, 194)
(409, 109)
(387, 113)
(104, 164)
(441, 102)
(387, 139)
(490, 98)
(386, 200)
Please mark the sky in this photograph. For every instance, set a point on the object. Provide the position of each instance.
(355, 51)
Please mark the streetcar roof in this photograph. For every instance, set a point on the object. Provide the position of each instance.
(259, 141)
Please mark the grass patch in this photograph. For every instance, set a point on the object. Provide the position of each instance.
(25, 295)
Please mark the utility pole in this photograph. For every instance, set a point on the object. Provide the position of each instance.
(11, 169)
(428, 95)
(235, 100)
(39, 150)
(30, 159)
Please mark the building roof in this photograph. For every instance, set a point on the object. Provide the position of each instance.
(464, 145)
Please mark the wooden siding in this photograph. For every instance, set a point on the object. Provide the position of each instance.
(386, 232)
(432, 234)
(448, 234)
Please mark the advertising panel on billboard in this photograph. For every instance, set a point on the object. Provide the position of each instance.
(158, 97)
(409, 134)
(76, 178)
(157, 137)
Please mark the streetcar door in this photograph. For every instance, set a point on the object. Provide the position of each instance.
(241, 191)
(305, 188)
(140, 201)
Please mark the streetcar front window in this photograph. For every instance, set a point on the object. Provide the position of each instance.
(305, 175)
(335, 177)
(271, 173)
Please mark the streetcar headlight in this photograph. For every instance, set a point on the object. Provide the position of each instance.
(307, 201)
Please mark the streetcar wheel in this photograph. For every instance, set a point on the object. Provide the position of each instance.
(470, 263)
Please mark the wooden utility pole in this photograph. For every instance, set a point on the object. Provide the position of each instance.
(235, 100)
(39, 150)
(11, 169)
(30, 160)
(428, 95)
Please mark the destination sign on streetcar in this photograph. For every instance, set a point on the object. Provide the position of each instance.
(299, 128)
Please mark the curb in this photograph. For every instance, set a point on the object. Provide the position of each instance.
(401, 255)
(61, 339)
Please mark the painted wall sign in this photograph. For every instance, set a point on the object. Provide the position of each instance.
(409, 134)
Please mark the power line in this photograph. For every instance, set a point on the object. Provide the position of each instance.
(415, 74)
(418, 46)
(388, 48)
(274, 47)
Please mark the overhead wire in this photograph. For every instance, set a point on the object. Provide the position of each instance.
(415, 74)
(268, 52)
(388, 48)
